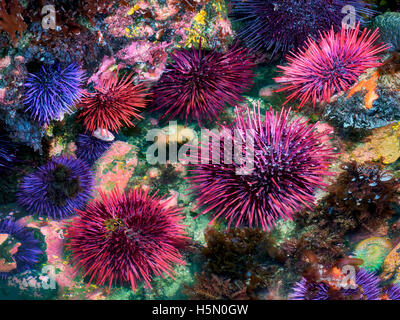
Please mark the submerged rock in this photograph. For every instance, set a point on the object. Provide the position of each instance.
(116, 166)
(391, 265)
(373, 102)
(350, 115)
(389, 28)
(382, 144)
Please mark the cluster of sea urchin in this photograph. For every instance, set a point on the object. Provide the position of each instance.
(57, 188)
(320, 69)
(198, 83)
(28, 252)
(281, 26)
(53, 91)
(290, 161)
(126, 238)
(113, 104)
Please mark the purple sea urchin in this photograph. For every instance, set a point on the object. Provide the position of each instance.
(89, 148)
(281, 26)
(114, 104)
(53, 91)
(307, 290)
(57, 188)
(126, 238)
(290, 162)
(28, 252)
(198, 83)
(367, 284)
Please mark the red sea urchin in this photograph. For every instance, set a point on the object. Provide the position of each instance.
(333, 64)
(290, 162)
(126, 238)
(198, 83)
(113, 104)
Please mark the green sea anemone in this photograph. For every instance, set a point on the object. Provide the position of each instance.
(373, 252)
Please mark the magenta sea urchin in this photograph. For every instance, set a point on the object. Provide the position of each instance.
(320, 69)
(126, 238)
(198, 83)
(290, 161)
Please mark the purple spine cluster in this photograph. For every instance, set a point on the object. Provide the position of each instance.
(53, 91)
(89, 148)
(36, 189)
(29, 251)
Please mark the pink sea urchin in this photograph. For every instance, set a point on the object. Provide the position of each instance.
(290, 161)
(333, 64)
(126, 238)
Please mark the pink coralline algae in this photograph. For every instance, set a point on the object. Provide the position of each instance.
(118, 22)
(144, 51)
(103, 73)
(116, 166)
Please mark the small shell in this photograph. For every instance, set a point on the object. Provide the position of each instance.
(103, 134)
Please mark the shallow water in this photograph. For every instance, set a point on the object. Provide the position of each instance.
(332, 211)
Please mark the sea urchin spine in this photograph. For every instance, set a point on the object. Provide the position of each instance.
(89, 148)
(281, 26)
(56, 188)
